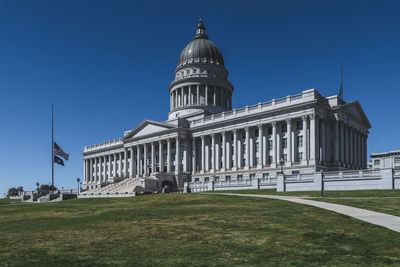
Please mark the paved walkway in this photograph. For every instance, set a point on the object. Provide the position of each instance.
(389, 221)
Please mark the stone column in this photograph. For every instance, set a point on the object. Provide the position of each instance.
(109, 167)
(202, 154)
(177, 158)
(217, 155)
(247, 152)
(313, 139)
(251, 147)
(260, 147)
(131, 166)
(90, 171)
(235, 150)
(198, 96)
(168, 155)
(206, 95)
(223, 151)
(185, 156)
(95, 169)
(160, 157)
(351, 145)
(194, 156)
(305, 141)
(145, 170)
(213, 152)
(274, 145)
(341, 141)
(322, 145)
(152, 158)
(138, 172)
(337, 143)
(215, 95)
(190, 95)
(100, 169)
(289, 141)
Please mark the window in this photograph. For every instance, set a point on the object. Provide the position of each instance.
(252, 176)
(181, 155)
(284, 128)
(173, 168)
(397, 160)
(256, 160)
(228, 178)
(265, 175)
(269, 130)
(269, 144)
(299, 125)
(284, 142)
(206, 179)
(217, 178)
(181, 167)
(188, 72)
(173, 156)
(240, 177)
(377, 162)
(299, 141)
(196, 179)
(194, 70)
(295, 172)
(269, 160)
(284, 156)
(257, 147)
(299, 157)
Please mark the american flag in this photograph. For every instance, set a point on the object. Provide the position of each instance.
(60, 152)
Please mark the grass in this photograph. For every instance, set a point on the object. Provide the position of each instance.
(353, 193)
(188, 229)
(5, 201)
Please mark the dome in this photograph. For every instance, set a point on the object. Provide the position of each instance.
(201, 49)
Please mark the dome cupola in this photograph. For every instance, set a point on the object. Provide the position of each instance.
(201, 79)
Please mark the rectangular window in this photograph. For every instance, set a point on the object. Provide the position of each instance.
(377, 162)
(284, 128)
(299, 157)
(284, 142)
(256, 160)
(397, 160)
(269, 130)
(188, 72)
(217, 178)
(295, 172)
(299, 141)
(240, 177)
(269, 160)
(181, 155)
(181, 168)
(181, 144)
(299, 125)
(173, 156)
(252, 176)
(265, 175)
(173, 168)
(196, 179)
(228, 178)
(284, 156)
(194, 70)
(206, 179)
(257, 147)
(269, 144)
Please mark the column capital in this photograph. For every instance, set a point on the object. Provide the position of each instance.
(304, 117)
(260, 126)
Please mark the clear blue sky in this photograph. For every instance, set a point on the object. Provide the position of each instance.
(106, 65)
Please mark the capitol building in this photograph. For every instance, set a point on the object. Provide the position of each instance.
(204, 139)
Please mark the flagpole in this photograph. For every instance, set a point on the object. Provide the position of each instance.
(52, 145)
(342, 79)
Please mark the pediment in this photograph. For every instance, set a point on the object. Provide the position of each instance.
(148, 127)
(355, 110)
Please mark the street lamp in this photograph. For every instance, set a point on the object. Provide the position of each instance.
(281, 162)
(78, 180)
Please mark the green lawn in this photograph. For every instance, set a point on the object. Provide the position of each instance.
(354, 193)
(188, 229)
(5, 201)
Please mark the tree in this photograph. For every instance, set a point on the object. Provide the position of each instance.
(37, 185)
(14, 191)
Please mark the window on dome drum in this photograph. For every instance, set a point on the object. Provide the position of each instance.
(240, 177)
(299, 157)
(284, 142)
(377, 162)
(284, 128)
(269, 144)
(299, 125)
(299, 141)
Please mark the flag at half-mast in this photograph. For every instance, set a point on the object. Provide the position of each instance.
(58, 160)
(58, 151)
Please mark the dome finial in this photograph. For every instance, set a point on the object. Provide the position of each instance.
(200, 30)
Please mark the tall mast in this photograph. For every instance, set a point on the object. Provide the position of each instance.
(52, 145)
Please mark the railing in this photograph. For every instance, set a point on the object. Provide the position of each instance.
(309, 94)
(105, 144)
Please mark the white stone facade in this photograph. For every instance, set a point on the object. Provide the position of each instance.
(205, 140)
